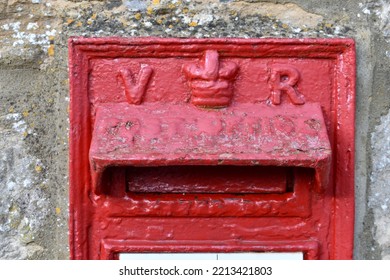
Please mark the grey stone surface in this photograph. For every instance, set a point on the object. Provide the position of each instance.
(23, 204)
(34, 97)
(379, 198)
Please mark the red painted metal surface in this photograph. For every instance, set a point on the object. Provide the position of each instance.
(211, 145)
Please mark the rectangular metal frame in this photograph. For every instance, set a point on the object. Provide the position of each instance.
(335, 240)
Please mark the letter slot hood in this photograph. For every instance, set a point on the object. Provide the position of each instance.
(245, 135)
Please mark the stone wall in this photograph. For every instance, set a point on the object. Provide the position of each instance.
(34, 97)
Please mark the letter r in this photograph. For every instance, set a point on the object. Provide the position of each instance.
(284, 79)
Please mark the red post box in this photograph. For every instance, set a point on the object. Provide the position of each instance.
(211, 145)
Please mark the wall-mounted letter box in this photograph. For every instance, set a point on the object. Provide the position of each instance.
(213, 146)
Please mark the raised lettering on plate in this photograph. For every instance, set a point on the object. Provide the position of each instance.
(284, 78)
(135, 89)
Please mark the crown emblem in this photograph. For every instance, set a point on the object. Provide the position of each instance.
(211, 81)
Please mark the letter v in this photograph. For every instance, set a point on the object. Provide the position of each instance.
(135, 90)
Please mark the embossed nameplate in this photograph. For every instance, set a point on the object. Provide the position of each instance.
(124, 130)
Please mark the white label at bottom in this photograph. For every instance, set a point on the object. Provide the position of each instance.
(211, 256)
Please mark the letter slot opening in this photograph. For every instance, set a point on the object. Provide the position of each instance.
(208, 179)
(200, 179)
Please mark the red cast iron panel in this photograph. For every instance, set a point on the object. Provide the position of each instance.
(234, 144)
